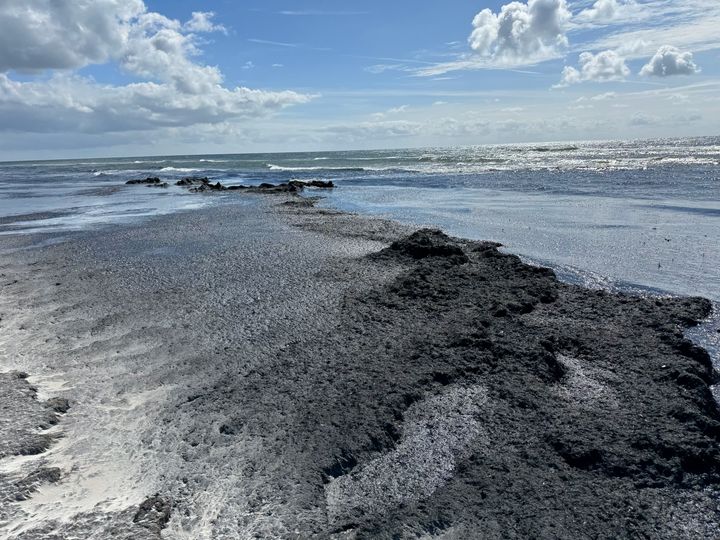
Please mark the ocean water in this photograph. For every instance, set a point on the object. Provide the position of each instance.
(643, 214)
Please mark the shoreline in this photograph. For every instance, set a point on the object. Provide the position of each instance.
(480, 350)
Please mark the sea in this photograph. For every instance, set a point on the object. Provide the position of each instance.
(635, 215)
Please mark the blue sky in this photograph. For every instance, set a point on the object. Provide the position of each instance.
(130, 77)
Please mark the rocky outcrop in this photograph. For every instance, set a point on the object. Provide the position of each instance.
(192, 181)
(145, 181)
(202, 184)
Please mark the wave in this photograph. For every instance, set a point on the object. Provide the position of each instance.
(555, 148)
(459, 159)
(300, 169)
(214, 161)
(279, 168)
(178, 169)
(112, 172)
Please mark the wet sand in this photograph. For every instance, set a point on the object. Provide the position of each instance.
(268, 369)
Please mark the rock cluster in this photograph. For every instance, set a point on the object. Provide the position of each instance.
(201, 184)
(149, 181)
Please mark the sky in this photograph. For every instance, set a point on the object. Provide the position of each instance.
(82, 78)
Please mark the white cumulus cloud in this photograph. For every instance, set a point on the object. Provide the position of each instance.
(202, 21)
(670, 61)
(45, 34)
(175, 88)
(521, 33)
(73, 104)
(606, 11)
(601, 67)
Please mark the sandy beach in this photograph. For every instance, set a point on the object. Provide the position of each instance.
(269, 369)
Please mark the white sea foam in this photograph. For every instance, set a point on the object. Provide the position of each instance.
(300, 169)
(280, 168)
(178, 169)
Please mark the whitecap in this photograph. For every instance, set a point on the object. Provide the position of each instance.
(178, 169)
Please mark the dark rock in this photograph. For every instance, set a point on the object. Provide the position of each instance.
(23, 489)
(343, 464)
(154, 513)
(36, 445)
(288, 187)
(321, 184)
(293, 186)
(305, 202)
(427, 243)
(192, 181)
(148, 181)
(163, 185)
(227, 429)
(59, 405)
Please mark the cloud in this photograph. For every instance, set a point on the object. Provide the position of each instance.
(670, 61)
(395, 110)
(601, 67)
(175, 89)
(642, 119)
(374, 130)
(38, 35)
(687, 117)
(202, 21)
(382, 68)
(274, 43)
(605, 96)
(521, 33)
(632, 28)
(74, 104)
(606, 11)
(690, 25)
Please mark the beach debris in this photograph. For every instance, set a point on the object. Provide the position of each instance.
(427, 243)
